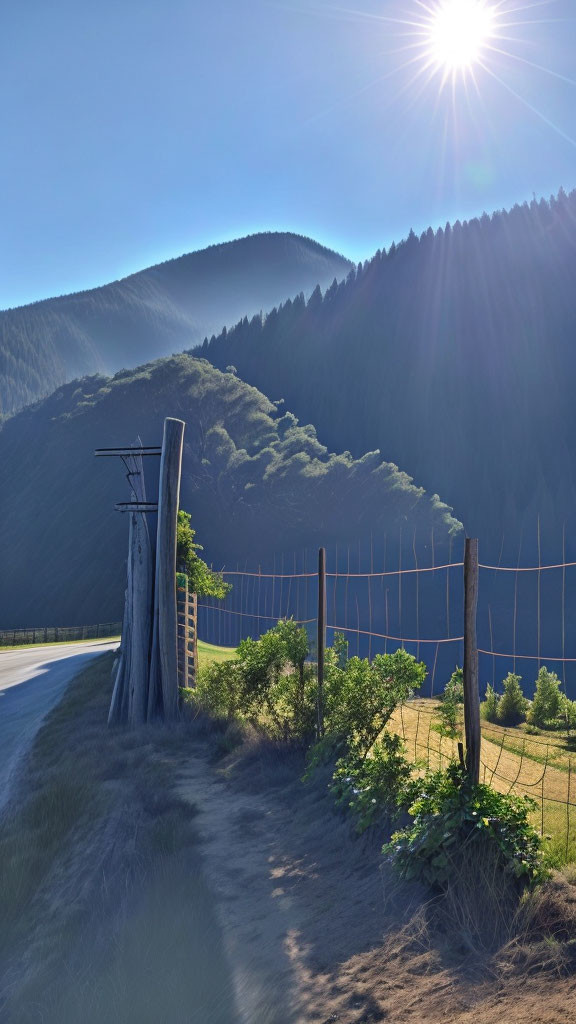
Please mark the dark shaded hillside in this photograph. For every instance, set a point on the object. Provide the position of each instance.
(254, 480)
(155, 312)
(455, 354)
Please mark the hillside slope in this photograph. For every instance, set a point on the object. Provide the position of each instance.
(254, 480)
(154, 312)
(455, 354)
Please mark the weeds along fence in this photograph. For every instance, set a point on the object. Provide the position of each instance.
(525, 616)
(58, 634)
(542, 768)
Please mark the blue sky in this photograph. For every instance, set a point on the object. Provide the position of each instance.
(135, 130)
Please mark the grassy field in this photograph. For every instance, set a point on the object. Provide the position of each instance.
(99, 870)
(207, 653)
(511, 760)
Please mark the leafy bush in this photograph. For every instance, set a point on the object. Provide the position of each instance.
(284, 699)
(532, 730)
(372, 787)
(268, 683)
(549, 703)
(451, 705)
(361, 696)
(450, 815)
(202, 580)
(219, 689)
(512, 706)
(489, 708)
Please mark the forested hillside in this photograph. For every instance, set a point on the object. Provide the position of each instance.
(455, 353)
(155, 312)
(255, 481)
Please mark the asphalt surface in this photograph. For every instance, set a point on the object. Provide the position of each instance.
(31, 683)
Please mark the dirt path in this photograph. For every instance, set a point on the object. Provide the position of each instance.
(304, 907)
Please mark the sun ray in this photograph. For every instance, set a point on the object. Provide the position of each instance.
(531, 64)
(530, 106)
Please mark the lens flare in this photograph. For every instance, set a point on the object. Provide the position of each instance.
(459, 33)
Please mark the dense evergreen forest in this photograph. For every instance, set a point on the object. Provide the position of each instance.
(255, 480)
(455, 354)
(155, 312)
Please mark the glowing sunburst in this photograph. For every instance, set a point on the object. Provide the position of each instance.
(459, 33)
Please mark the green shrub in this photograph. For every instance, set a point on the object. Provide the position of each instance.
(372, 787)
(451, 706)
(489, 708)
(512, 706)
(548, 703)
(283, 700)
(219, 689)
(450, 815)
(361, 696)
(532, 730)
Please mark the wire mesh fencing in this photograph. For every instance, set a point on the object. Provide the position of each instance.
(58, 634)
(381, 599)
(510, 761)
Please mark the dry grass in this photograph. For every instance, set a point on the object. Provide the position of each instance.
(99, 868)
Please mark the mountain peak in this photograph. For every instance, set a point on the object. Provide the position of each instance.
(153, 312)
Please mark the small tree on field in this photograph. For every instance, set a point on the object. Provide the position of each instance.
(451, 705)
(490, 707)
(548, 702)
(512, 706)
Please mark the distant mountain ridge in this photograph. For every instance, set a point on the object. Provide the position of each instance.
(256, 482)
(155, 311)
(454, 353)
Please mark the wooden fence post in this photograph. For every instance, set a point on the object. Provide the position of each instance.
(321, 637)
(165, 591)
(471, 693)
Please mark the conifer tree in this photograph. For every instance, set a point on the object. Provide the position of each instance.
(490, 708)
(548, 701)
(512, 705)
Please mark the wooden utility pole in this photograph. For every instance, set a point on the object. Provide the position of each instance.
(321, 637)
(146, 674)
(141, 602)
(471, 692)
(164, 662)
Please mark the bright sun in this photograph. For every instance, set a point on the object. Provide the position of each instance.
(459, 32)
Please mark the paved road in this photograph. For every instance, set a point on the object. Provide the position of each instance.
(31, 683)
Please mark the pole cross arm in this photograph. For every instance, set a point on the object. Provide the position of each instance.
(123, 453)
(136, 506)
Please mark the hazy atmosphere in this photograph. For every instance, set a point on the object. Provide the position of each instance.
(288, 512)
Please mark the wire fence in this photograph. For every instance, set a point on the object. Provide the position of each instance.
(58, 634)
(524, 618)
(510, 761)
(419, 607)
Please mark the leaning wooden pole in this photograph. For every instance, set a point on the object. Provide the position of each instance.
(166, 624)
(321, 639)
(471, 691)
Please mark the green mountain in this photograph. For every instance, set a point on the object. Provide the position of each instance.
(254, 479)
(155, 312)
(454, 353)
